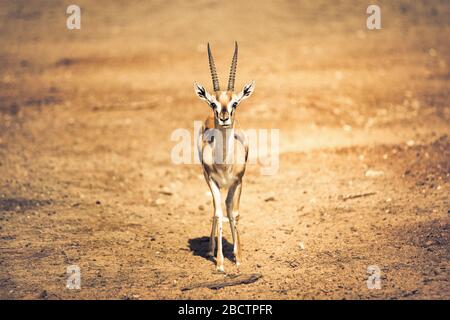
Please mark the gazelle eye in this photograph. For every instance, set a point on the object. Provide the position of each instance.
(213, 105)
(235, 105)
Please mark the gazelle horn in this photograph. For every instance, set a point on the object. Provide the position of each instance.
(233, 68)
(212, 67)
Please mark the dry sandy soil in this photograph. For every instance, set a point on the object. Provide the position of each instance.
(86, 176)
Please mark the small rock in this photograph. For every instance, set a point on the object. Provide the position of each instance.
(410, 143)
(98, 202)
(374, 173)
(269, 199)
(201, 208)
(160, 202)
(301, 245)
(166, 191)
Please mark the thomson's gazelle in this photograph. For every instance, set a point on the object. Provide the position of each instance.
(223, 151)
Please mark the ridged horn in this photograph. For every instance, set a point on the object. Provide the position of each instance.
(212, 67)
(233, 68)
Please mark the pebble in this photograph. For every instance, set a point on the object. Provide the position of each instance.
(166, 191)
(410, 143)
(374, 173)
(160, 202)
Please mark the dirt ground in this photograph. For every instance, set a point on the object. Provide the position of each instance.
(86, 176)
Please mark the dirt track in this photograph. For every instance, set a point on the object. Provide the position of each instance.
(85, 124)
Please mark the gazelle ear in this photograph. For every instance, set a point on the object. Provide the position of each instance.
(246, 91)
(201, 92)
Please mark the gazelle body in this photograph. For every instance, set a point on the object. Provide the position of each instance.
(223, 151)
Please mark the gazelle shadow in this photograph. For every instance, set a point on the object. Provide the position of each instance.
(21, 204)
(200, 247)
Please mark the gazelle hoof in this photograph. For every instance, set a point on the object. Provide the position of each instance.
(220, 269)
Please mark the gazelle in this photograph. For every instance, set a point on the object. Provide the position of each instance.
(223, 151)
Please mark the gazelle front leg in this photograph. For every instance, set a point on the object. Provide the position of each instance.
(232, 204)
(217, 224)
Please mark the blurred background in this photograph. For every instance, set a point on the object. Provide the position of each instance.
(85, 123)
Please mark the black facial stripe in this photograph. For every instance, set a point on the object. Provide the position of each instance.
(202, 92)
(247, 90)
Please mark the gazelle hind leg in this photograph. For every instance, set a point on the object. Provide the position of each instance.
(212, 239)
(237, 246)
(232, 204)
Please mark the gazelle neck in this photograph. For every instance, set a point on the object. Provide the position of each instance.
(227, 147)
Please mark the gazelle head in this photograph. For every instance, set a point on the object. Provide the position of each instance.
(224, 103)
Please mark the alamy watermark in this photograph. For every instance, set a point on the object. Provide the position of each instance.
(74, 19)
(373, 21)
(263, 145)
(374, 278)
(73, 277)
